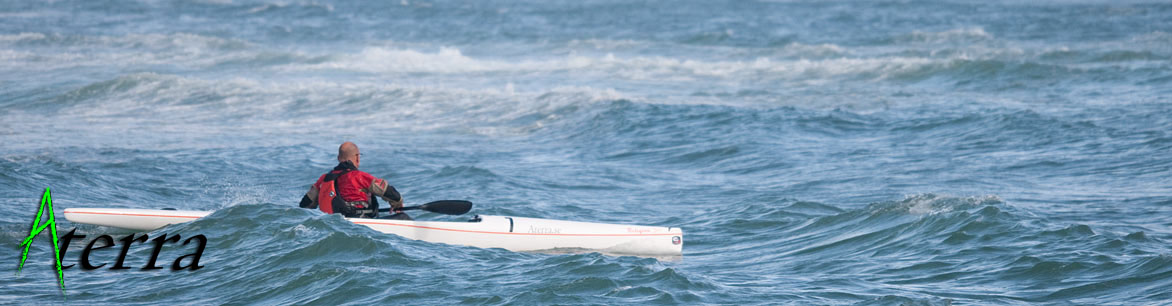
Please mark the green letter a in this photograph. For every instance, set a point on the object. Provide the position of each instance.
(46, 208)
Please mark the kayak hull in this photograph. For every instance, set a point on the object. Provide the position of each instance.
(511, 233)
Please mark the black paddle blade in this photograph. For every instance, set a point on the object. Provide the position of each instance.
(447, 207)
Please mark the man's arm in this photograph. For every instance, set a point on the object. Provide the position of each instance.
(309, 200)
(380, 188)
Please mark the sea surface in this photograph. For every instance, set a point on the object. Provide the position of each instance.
(814, 152)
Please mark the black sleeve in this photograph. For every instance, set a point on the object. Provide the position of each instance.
(307, 203)
(392, 195)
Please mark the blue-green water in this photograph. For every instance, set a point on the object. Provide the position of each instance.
(908, 152)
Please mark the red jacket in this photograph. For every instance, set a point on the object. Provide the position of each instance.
(353, 186)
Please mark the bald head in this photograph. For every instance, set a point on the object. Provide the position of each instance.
(348, 151)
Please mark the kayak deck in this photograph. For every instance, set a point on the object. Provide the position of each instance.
(511, 233)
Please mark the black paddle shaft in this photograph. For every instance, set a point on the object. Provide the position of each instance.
(447, 207)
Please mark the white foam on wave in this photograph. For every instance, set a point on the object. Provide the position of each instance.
(285, 4)
(144, 107)
(186, 41)
(926, 204)
(14, 60)
(22, 36)
(795, 62)
(605, 44)
(56, 51)
(377, 59)
(31, 14)
(449, 60)
(801, 50)
(968, 34)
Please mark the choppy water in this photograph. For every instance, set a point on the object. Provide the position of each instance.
(814, 152)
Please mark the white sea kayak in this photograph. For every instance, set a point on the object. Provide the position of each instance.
(510, 233)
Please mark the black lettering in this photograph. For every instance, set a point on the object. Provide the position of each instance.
(126, 247)
(203, 242)
(85, 254)
(65, 246)
(159, 247)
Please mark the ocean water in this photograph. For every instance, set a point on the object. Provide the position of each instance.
(814, 152)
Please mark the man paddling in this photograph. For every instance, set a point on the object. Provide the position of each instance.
(349, 191)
